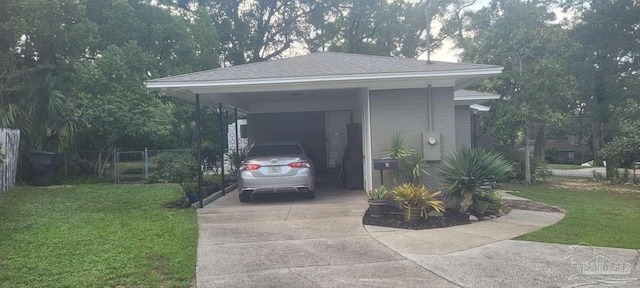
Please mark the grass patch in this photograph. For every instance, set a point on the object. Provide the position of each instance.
(96, 236)
(566, 166)
(598, 214)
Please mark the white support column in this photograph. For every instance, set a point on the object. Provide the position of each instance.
(366, 139)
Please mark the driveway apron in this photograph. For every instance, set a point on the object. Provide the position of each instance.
(283, 241)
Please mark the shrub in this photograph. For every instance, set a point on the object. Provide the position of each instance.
(411, 195)
(468, 170)
(175, 167)
(539, 168)
(380, 193)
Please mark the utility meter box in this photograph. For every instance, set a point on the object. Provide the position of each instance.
(431, 146)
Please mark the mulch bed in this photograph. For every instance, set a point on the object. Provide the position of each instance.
(394, 218)
(531, 206)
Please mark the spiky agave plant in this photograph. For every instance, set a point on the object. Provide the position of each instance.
(467, 169)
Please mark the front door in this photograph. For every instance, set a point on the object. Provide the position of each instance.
(336, 135)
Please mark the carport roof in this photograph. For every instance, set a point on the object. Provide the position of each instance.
(324, 66)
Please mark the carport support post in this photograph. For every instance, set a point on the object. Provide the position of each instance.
(199, 150)
(237, 160)
(221, 145)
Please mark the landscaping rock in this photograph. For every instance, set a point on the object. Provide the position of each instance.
(486, 218)
(500, 213)
(435, 213)
(473, 218)
(493, 216)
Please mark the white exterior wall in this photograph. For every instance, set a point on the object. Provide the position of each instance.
(463, 125)
(407, 111)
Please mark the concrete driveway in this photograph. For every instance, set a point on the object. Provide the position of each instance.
(284, 241)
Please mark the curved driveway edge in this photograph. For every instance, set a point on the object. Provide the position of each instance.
(481, 254)
(458, 238)
(299, 243)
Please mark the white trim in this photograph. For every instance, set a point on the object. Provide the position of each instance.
(157, 84)
(480, 108)
(476, 98)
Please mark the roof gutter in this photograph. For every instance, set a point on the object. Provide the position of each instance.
(160, 84)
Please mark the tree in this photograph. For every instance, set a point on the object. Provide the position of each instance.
(253, 31)
(625, 146)
(535, 86)
(396, 28)
(609, 36)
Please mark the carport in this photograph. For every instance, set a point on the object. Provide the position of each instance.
(325, 101)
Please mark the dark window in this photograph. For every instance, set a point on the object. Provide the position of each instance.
(274, 150)
(243, 131)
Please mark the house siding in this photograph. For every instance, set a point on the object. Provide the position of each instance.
(406, 111)
(463, 125)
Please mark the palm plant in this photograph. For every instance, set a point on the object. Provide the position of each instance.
(467, 170)
(414, 165)
(396, 148)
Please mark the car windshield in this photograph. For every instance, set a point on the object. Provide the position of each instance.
(274, 150)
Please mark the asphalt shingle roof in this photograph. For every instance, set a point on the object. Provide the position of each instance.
(322, 64)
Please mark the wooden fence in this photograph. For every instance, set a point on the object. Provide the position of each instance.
(10, 139)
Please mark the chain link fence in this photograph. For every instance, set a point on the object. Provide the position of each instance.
(116, 167)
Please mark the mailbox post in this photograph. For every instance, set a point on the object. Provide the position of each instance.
(384, 164)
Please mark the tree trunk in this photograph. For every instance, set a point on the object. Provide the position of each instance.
(538, 149)
(611, 168)
(527, 158)
(596, 143)
(465, 202)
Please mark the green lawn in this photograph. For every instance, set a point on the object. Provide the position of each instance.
(598, 214)
(566, 166)
(96, 236)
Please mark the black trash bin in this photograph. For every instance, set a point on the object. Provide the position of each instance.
(43, 165)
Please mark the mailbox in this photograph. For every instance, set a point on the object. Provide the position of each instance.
(385, 164)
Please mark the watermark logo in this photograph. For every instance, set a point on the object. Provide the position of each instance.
(597, 268)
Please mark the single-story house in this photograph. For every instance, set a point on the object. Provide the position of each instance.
(344, 107)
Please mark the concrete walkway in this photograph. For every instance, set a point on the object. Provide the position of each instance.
(283, 241)
(289, 242)
(481, 254)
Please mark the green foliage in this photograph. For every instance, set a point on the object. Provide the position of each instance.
(108, 235)
(380, 193)
(189, 188)
(396, 147)
(413, 166)
(625, 147)
(468, 170)
(418, 196)
(516, 158)
(211, 179)
(175, 167)
(601, 215)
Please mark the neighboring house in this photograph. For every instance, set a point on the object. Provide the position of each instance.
(312, 98)
(561, 150)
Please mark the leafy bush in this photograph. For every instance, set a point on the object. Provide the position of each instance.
(189, 188)
(175, 167)
(380, 193)
(211, 179)
(411, 195)
(539, 168)
(468, 170)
